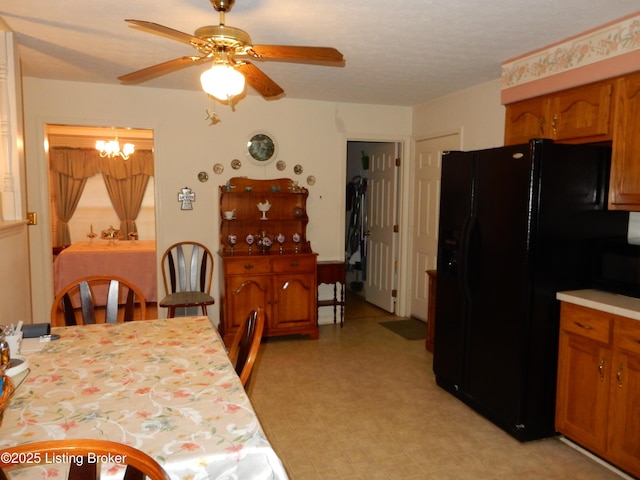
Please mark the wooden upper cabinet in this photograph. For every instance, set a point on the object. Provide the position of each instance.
(624, 189)
(602, 112)
(582, 114)
(577, 115)
(526, 120)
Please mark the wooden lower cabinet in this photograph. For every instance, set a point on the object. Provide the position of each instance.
(599, 384)
(625, 396)
(284, 285)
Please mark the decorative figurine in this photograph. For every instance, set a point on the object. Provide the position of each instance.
(264, 242)
(264, 208)
(232, 239)
(249, 239)
(296, 242)
(280, 238)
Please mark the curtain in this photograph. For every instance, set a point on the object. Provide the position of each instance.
(126, 182)
(70, 167)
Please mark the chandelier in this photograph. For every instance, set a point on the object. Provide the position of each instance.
(111, 148)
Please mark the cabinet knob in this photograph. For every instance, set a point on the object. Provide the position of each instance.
(584, 325)
(619, 376)
(294, 264)
(601, 369)
(248, 266)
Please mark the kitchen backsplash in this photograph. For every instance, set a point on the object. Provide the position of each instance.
(634, 228)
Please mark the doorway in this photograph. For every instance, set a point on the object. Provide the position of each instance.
(371, 233)
(94, 209)
(95, 191)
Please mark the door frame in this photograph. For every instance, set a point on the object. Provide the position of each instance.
(405, 146)
(38, 200)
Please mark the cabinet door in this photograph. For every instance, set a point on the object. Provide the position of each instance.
(242, 293)
(582, 114)
(526, 120)
(624, 190)
(625, 397)
(584, 374)
(582, 397)
(294, 303)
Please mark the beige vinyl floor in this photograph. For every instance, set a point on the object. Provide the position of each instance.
(361, 403)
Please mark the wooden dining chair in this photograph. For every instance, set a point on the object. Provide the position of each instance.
(187, 270)
(246, 343)
(98, 299)
(138, 465)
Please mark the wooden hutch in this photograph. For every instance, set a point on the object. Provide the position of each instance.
(280, 278)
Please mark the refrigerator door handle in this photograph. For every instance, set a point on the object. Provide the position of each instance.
(472, 247)
(464, 250)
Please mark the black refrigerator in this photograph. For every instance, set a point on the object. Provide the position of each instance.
(517, 224)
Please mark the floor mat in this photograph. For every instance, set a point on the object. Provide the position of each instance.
(411, 329)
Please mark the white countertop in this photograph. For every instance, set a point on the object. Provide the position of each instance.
(603, 301)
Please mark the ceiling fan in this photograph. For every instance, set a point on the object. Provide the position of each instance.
(228, 49)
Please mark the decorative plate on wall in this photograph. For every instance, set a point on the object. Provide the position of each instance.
(261, 148)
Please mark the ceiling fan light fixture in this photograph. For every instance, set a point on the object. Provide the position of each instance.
(222, 81)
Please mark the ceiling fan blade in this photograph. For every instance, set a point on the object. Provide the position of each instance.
(300, 54)
(168, 32)
(160, 69)
(259, 80)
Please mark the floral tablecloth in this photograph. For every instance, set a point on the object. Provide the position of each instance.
(165, 387)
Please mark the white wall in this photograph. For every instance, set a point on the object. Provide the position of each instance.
(310, 133)
(14, 255)
(475, 112)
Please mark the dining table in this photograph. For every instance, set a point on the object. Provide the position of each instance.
(165, 386)
(133, 260)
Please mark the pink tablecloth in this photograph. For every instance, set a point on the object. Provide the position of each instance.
(132, 260)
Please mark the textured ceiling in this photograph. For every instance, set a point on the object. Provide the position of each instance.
(401, 52)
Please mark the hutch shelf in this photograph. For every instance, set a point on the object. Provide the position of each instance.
(265, 257)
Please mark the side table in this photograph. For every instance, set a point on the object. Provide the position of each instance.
(333, 272)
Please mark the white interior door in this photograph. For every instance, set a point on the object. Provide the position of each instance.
(381, 241)
(426, 205)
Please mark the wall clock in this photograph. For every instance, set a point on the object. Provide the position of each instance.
(261, 148)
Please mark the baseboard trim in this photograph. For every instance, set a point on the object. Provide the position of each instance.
(595, 458)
